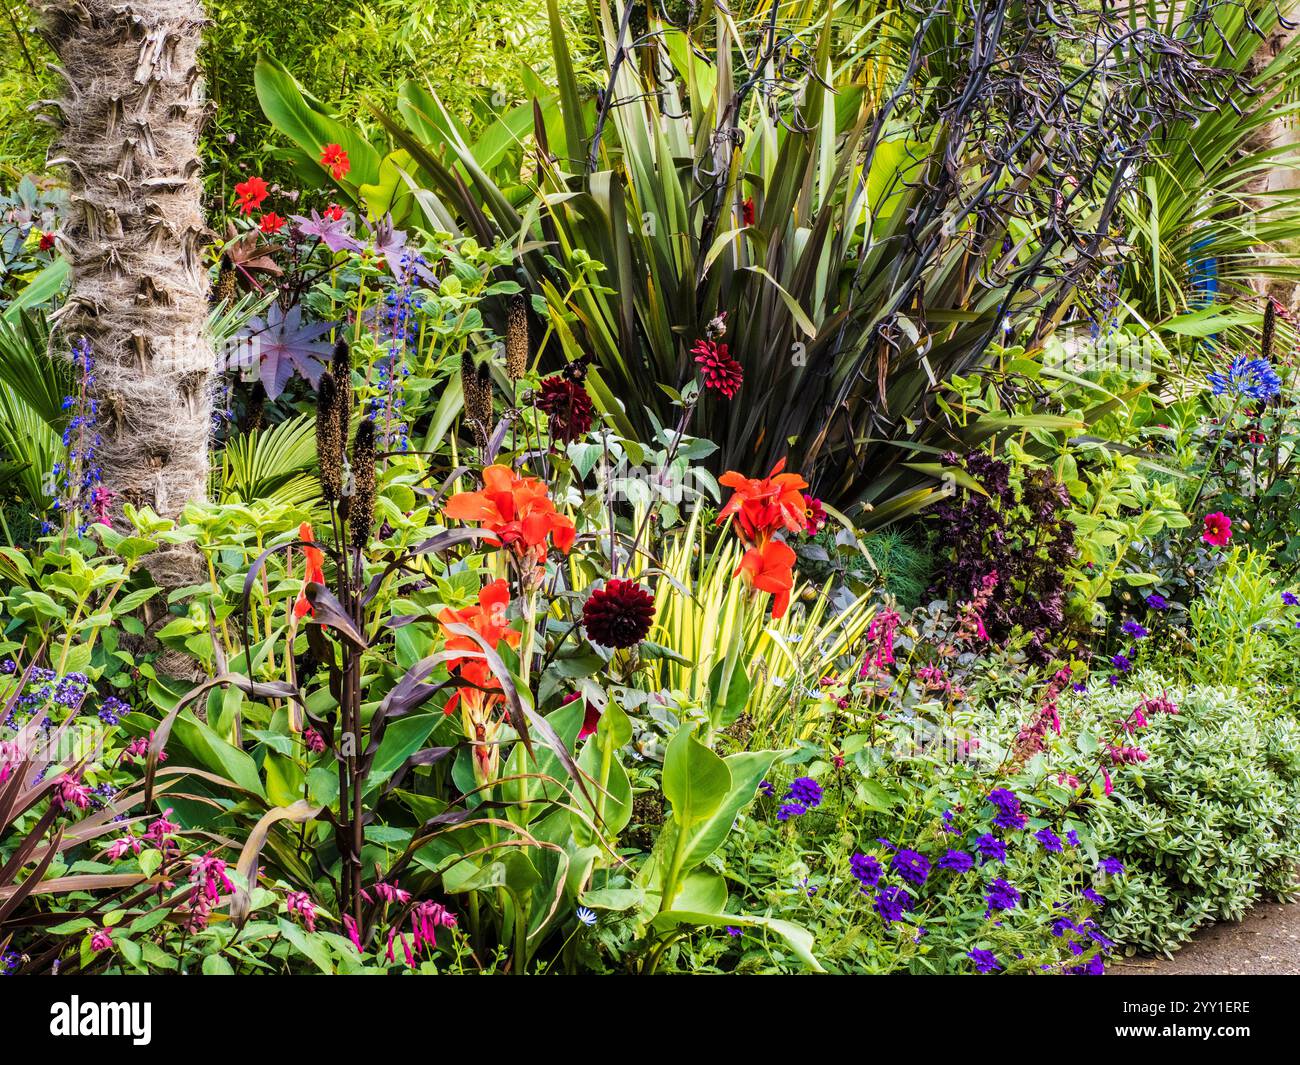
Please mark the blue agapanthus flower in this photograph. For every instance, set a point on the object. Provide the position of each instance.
(1248, 379)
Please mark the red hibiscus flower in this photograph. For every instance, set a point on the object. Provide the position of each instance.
(334, 159)
(1218, 529)
(250, 194)
(315, 570)
(333, 213)
(271, 223)
(47, 241)
(516, 510)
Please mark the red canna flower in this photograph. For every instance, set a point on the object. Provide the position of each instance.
(315, 570)
(764, 505)
(47, 241)
(747, 211)
(334, 159)
(487, 618)
(250, 194)
(516, 510)
(770, 568)
(270, 223)
(1218, 529)
(333, 213)
(722, 373)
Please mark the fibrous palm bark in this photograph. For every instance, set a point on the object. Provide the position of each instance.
(129, 127)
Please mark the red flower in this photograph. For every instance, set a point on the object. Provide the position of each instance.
(271, 223)
(517, 510)
(590, 722)
(1218, 529)
(619, 614)
(747, 211)
(770, 568)
(47, 241)
(250, 194)
(568, 407)
(334, 159)
(814, 515)
(722, 373)
(764, 505)
(315, 570)
(333, 213)
(488, 619)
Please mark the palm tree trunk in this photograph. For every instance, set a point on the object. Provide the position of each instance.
(130, 122)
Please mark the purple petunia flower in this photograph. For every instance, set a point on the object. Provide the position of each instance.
(1111, 866)
(1289, 598)
(1157, 602)
(1122, 663)
(1132, 628)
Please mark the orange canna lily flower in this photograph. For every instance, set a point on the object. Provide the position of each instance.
(770, 568)
(315, 570)
(488, 619)
(764, 505)
(517, 510)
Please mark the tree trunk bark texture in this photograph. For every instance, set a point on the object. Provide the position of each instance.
(130, 122)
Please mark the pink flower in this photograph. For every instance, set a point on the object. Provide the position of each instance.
(313, 741)
(69, 791)
(1218, 529)
(1108, 788)
(880, 635)
(351, 927)
(1126, 755)
(426, 918)
(392, 893)
(119, 847)
(102, 940)
(299, 902)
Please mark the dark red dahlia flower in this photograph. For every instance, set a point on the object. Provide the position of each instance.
(568, 406)
(722, 373)
(619, 614)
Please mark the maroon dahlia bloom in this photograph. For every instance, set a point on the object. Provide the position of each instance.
(722, 373)
(619, 614)
(568, 406)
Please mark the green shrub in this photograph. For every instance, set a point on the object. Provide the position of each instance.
(1209, 823)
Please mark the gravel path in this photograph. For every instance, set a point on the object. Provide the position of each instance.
(1265, 943)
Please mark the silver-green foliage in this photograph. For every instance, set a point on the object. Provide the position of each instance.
(1210, 823)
